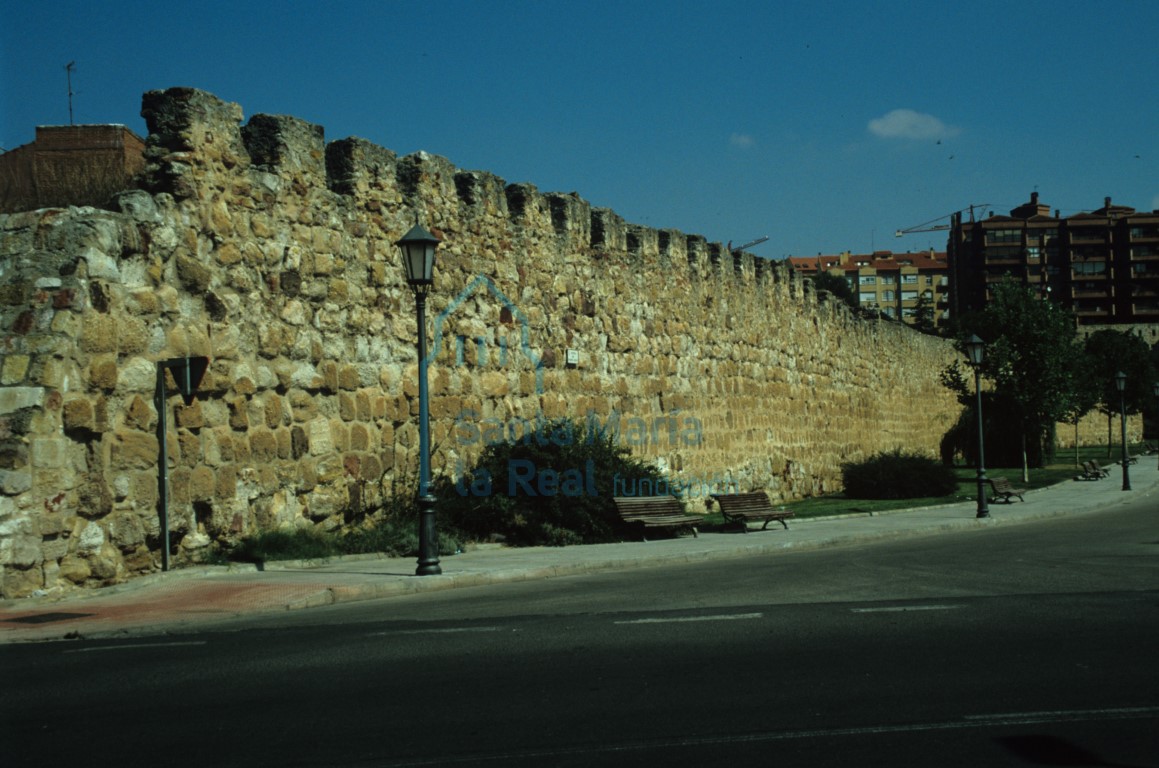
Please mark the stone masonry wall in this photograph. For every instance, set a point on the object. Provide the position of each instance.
(272, 253)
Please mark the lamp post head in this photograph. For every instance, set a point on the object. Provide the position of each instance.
(418, 248)
(1120, 381)
(1155, 389)
(974, 347)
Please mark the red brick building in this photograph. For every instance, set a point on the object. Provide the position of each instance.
(1102, 265)
(70, 165)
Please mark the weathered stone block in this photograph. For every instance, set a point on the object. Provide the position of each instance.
(14, 369)
(77, 415)
(202, 484)
(263, 444)
(14, 399)
(189, 416)
(132, 449)
(238, 413)
(98, 333)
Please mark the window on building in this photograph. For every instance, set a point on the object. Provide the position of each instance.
(909, 295)
(1088, 234)
(909, 279)
(888, 295)
(1004, 252)
(867, 279)
(1033, 253)
(1004, 236)
(867, 298)
(1089, 267)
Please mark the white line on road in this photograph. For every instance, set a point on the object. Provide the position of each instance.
(135, 645)
(681, 619)
(903, 608)
(442, 631)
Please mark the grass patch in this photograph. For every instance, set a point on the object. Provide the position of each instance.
(1061, 470)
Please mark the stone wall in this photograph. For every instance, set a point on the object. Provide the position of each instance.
(273, 254)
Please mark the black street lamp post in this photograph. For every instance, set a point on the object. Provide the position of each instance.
(1155, 390)
(418, 248)
(974, 349)
(1121, 385)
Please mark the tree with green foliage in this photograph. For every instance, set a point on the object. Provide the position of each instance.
(1085, 393)
(1029, 343)
(836, 285)
(1109, 351)
(923, 315)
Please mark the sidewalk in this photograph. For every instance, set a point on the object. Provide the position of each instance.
(190, 598)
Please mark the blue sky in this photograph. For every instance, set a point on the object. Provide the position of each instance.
(824, 125)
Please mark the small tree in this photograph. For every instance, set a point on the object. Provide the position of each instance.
(1109, 351)
(1029, 343)
(923, 315)
(1085, 393)
(836, 285)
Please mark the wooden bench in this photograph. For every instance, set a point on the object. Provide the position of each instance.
(644, 512)
(1004, 490)
(753, 507)
(1091, 472)
(1095, 465)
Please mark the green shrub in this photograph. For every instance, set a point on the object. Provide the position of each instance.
(898, 475)
(552, 486)
(296, 544)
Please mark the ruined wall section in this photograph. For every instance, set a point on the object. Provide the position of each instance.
(272, 253)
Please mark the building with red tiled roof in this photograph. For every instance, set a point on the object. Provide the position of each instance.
(70, 165)
(895, 284)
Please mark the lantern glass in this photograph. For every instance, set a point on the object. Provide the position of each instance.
(974, 348)
(418, 248)
(1120, 381)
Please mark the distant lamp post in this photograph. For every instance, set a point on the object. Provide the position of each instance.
(418, 248)
(1155, 390)
(1121, 385)
(974, 350)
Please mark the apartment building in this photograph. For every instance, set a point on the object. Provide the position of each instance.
(895, 284)
(1103, 265)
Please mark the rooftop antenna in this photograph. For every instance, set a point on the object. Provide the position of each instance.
(68, 68)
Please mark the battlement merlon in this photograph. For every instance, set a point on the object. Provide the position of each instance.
(190, 129)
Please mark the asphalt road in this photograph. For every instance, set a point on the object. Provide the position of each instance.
(1024, 645)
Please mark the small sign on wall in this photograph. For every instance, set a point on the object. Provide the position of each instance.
(572, 358)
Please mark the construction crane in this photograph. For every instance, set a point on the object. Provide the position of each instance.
(749, 244)
(933, 226)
